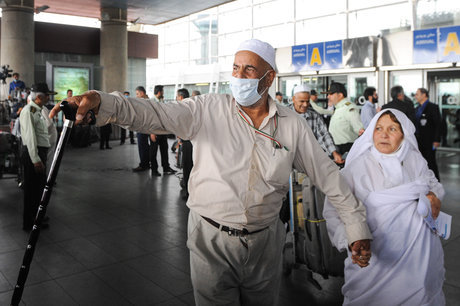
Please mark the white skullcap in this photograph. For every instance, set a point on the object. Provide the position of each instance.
(262, 49)
(301, 88)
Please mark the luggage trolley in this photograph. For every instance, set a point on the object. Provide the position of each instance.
(308, 246)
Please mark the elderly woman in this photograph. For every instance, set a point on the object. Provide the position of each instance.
(389, 175)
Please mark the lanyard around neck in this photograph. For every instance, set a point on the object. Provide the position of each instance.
(278, 145)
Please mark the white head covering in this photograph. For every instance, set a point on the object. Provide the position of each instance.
(301, 88)
(262, 49)
(390, 163)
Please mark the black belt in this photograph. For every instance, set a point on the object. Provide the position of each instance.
(231, 231)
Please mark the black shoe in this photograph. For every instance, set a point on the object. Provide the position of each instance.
(108, 148)
(140, 169)
(133, 142)
(169, 171)
(155, 173)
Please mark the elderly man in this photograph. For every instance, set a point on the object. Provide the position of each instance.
(34, 134)
(345, 124)
(301, 104)
(244, 148)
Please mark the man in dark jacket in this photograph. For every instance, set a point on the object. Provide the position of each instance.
(399, 102)
(428, 128)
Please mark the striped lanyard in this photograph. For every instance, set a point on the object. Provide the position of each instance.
(276, 143)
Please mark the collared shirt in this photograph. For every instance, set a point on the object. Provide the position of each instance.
(34, 130)
(320, 110)
(368, 112)
(345, 123)
(240, 177)
(319, 129)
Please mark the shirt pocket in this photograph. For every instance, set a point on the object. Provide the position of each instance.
(279, 168)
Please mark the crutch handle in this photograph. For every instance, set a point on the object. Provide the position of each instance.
(70, 113)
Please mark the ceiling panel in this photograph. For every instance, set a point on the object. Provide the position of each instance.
(148, 11)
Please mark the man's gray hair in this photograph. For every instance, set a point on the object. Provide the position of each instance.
(34, 95)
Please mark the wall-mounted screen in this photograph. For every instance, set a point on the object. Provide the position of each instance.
(65, 78)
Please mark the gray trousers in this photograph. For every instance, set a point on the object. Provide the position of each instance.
(232, 270)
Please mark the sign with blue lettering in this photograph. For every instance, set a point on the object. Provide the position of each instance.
(315, 56)
(299, 57)
(333, 54)
(425, 46)
(449, 44)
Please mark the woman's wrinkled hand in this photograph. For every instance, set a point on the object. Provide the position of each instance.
(88, 101)
(435, 204)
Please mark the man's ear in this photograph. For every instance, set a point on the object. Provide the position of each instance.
(270, 77)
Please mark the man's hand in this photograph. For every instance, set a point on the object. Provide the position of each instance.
(361, 252)
(90, 100)
(360, 132)
(39, 167)
(153, 137)
(337, 157)
(436, 144)
(435, 204)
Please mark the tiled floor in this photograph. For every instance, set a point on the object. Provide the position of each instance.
(118, 238)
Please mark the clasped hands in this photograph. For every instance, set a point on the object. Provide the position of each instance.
(361, 252)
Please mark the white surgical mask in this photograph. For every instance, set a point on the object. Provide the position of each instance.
(245, 90)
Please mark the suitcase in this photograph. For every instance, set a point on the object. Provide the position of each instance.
(308, 246)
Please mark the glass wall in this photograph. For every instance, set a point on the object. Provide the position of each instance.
(212, 36)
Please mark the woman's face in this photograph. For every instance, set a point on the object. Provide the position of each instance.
(387, 135)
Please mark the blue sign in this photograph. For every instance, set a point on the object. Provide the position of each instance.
(315, 56)
(425, 46)
(333, 54)
(449, 44)
(299, 57)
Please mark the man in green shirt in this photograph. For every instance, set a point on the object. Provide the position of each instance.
(345, 124)
(35, 138)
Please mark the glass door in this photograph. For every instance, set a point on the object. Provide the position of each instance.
(286, 86)
(444, 87)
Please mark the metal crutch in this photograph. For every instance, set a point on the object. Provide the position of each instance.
(33, 238)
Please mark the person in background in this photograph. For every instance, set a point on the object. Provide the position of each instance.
(428, 128)
(279, 97)
(16, 84)
(106, 130)
(159, 141)
(69, 93)
(345, 124)
(142, 139)
(123, 131)
(196, 93)
(187, 148)
(401, 102)
(368, 110)
(317, 108)
(301, 104)
(35, 138)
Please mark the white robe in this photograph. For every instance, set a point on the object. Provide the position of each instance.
(407, 264)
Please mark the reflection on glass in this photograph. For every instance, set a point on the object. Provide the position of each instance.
(431, 14)
(448, 97)
(409, 80)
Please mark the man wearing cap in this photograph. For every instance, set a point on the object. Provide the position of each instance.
(345, 124)
(34, 133)
(301, 104)
(245, 147)
(316, 107)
